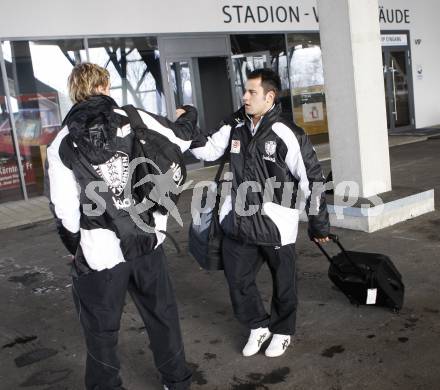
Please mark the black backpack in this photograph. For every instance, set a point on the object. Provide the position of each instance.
(165, 169)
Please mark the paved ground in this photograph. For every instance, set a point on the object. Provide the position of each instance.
(337, 347)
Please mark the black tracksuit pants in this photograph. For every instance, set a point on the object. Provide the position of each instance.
(99, 298)
(242, 263)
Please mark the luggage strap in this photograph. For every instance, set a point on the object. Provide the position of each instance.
(172, 239)
(335, 239)
(136, 122)
(138, 125)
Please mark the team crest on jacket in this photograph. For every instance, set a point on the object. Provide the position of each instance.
(115, 172)
(270, 148)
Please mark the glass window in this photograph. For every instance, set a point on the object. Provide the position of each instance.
(255, 51)
(9, 176)
(307, 81)
(37, 75)
(134, 68)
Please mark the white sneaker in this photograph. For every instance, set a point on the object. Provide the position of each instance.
(256, 340)
(278, 345)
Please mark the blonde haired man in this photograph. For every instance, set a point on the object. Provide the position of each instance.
(112, 254)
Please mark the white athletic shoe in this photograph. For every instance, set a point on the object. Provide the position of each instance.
(256, 340)
(278, 345)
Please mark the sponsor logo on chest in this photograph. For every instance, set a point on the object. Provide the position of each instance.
(235, 146)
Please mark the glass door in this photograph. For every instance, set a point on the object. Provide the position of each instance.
(398, 89)
(181, 82)
(180, 73)
(203, 82)
(196, 70)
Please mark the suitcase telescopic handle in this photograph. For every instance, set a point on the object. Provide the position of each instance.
(325, 253)
(336, 240)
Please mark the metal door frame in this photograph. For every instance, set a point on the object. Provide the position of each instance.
(187, 47)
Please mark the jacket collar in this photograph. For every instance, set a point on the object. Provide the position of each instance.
(93, 125)
(268, 118)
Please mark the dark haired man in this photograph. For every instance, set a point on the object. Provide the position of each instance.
(270, 159)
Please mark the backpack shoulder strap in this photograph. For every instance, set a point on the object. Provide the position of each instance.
(223, 160)
(135, 119)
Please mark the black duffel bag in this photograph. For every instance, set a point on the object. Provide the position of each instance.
(205, 234)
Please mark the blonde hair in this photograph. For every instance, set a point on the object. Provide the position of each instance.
(85, 80)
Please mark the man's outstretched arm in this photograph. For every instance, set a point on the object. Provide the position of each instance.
(181, 132)
(213, 146)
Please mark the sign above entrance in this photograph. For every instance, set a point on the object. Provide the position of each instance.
(394, 40)
(46, 18)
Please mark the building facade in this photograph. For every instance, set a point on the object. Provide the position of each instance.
(164, 54)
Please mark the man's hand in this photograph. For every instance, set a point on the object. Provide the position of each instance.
(321, 240)
(180, 112)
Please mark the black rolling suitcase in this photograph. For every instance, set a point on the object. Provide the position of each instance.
(365, 278)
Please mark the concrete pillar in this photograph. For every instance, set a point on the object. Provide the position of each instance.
(355, 96)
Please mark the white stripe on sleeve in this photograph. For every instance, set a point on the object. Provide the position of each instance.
(215, 146)
(294, 159)
(101, 248)
(156, 126)
(64, 192)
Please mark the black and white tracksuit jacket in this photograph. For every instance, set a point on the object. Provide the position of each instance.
(93, 150)
(257, 212)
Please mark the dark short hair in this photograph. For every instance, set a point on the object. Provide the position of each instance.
(270, 81)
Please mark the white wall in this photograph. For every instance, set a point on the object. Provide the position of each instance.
(67, 18)
(424, 26)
